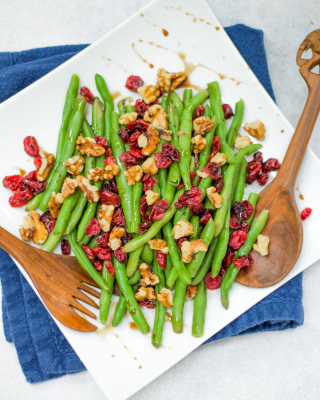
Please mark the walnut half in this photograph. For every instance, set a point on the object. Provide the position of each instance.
(89, 147)
(241, 141)
(148, 277)
(199, 143)
(189, 249)
(149, 141)
(262, 245)
(255, 129)
(145, 293)
(75, 165)
(150, 166)
(126, 118)
(46, 166)
(104, 215)
(40, 233)
(202, 125)
(91, 192)
(183, 228)
(55, 204)
(191, 292)
(165, 297)
(114, 239)
(69, 187)
(133, 174)
(99, 174)
(149, 93)
(214, 197)
(27, 228)
(159, 244)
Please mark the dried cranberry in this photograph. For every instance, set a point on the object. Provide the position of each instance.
(213, 170)
(37, 161)
(198, 112)
(244, 227)
(271, 165)
(48, 221)
(144, 226)
(103, 254)
(37, 187)
(216, 144)
(161, 258)
(88, 251)
(101, 141)
(109, 161)
(93, 227)
(237, 239)
(126, 238)
(142, 107)
(234, 222)
(65, 247)
(242, 209)
(137, 153)
(148, 182)
(13, 182)
(32, 176)
(253, 175)
(197, 209)
(143, 206)
(305, 213)
(190, 197)
(128, 159)
(98, 264)
(192, 176)
(118, 218)
(87, 94)
(180, 241)
(263, 178)
(20, 198)
(222, 272)
(227, 111)
(134, 82)
(212, 283)
(168, 154)
(159, 208)
(220, 185)
(110, 187)
(110, 267)
(31, 146)
(103, 240)
(137, 125)
(205, 218)
(147, 304)
(258, 157)
(120, 255)
(228, 258)
(133, 140)
(110, 199)
(123, 133)
(243, 261)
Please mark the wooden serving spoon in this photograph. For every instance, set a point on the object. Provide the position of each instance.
(284, 227)
(58, 279)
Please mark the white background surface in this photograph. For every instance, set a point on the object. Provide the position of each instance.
(282, 365)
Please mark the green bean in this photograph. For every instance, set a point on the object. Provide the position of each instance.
(222, 246)
(236, 123)
(232, 271)
(108, 105)
(105, 297)
(86, 263)
(119, 311)
(196, 227)
(135, 277)
(174, 176)
(175, 99)
(129, 108)
(60, 172)
(169, 194)
(121, 110)
(199, 310)
(85, 240)
(187, 96)
(165, 102)
(131, 302)
(160, 313)
(178, 305)
(169, 265)
(205, 266)
(240, 185)
(93, 242)
(207, 111)
(205, 153)
(208, 205)
(146, 254)
(133, 261)
(136, 215)
(162, 173)
(135, 287)
(253, 198)
(207, 236)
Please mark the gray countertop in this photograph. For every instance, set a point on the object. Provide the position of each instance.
(282, 365)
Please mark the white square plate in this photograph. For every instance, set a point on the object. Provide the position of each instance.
(122, 361)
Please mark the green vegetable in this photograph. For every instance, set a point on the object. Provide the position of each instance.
(222, 246)
(165, 102)
(174, 98)
(178, 305)
(135, 277)
(241, 182)
(187, 96)
(146, 255)
(108, 105)
(105, 297)
(253, 199)
(236, 123)
(206, 262)
(199, 310)
(119, 311)
(160, 313)
(136, 215)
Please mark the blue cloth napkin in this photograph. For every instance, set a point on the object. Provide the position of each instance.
(43, 351)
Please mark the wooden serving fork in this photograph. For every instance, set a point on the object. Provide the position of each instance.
(59, 280)
(284, 227)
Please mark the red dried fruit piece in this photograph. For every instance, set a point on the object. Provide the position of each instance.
(205, 218)
(36, 186)
(101, 141)
(228, 258)
(197, 209)
(20, 198)
(128, 159)
(159, 208)
(212, 283)
(133, 140)
(216, 145)
(147, 304)
(110, 267)
(87, 94)
(88, 251)
(134, 82)
(263, 178)
(103, 240)
(109, 161)
(126, 238)
(190, 197)
(148, 182)
(137, 153)
(110, 187)
(65, 247)
(120, 255)
(258, 157)
(13, 182)
(271, 165)
(110, 199)
(305, 213)
(253, 175)
(237, 239)
(137, 125)
(37, 161)
(227, 111)
(220, 185)
(123, 133)
(93, 227)
(168, 154)
(192, 175)
(242, 209)
(143, 206)
(180, 241)
(243, 261)
(31, 146)
(103, 254)
(234, 222)
(98, 264)
(213, 170)
(198, 112)
(161, 258)
(48, 221)
(244, 227)
(32, 176)
(118, 218)
(222, 272)
(142, 107)
(144, 226)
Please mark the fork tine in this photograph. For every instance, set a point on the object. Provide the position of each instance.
(86, 299)
(88, 289)
(75, 321)
(75, 304)
(88, 280)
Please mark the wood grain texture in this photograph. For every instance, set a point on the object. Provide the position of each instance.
(284, 227)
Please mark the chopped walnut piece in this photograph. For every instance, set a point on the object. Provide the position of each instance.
(112, 170)
(148, 277)
(219, 159)
(183, 228)
(202, 174)
(149, 141)
(151, 115)
(99, 174)
(91, 192)
(241, 141)
(165, 134)
(40, 233)
(255, 129)
(165, 297)
(149, 93)
(164, 80)
(145, 293)
(202, 125)
(152, 197)
(159, 244)
(46, 166)
(214, 197)
(89, 147)
(177, 79)
(150, 166)
(55, 204)
(191, 292)
(75, 165)
(262, 245)
(114, 239)
(126, 118)
(27, 228)
(69, 186)
(104, 216)
(199, 143)
(189, 249)
(133, 174)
